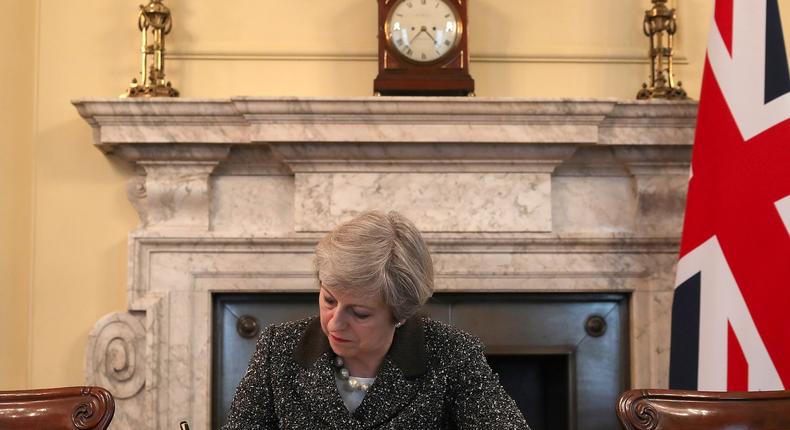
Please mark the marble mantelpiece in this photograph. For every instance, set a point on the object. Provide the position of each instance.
(513, 195)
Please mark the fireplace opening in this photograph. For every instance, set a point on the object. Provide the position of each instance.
(539, 384)
(556, 354)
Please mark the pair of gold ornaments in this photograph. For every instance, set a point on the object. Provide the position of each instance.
(422, 48)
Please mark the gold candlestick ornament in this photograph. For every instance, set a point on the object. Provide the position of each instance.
(660, 25)
(154, 23)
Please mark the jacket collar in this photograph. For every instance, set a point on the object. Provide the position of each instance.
(407, 351)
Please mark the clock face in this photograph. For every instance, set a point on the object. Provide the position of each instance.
(423, 30)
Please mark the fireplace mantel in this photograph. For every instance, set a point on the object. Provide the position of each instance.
(514, 195)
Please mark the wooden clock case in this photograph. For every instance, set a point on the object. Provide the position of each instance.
(399, 76)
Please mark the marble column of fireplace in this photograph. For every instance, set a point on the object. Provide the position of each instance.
(513, 195)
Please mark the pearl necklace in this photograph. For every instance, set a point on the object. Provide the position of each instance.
(343, 374)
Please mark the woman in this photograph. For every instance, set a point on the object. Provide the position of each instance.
(368, 361)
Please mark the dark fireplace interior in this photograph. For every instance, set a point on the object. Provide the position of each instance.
(538, 384)
(562, 357)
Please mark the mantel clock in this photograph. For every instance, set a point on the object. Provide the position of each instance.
(423, 48)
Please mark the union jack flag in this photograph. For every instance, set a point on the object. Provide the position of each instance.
(731, 310)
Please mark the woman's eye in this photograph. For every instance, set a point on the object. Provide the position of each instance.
(361, 316)
(329, 301)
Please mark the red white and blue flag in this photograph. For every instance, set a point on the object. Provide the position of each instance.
(731, 310)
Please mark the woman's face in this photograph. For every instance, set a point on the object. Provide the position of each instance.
(358, 328)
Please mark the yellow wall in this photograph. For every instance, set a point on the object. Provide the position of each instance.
(82, 216)
(87, 48)
(16, 127)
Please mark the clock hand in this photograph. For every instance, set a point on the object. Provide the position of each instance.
(425, 30)
(416, 35)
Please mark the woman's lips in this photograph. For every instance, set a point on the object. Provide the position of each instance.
(338, 339)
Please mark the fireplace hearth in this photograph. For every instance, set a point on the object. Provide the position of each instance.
(517, 197)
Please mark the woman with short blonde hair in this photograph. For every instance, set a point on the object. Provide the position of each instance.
(378, 253)
(369, 360)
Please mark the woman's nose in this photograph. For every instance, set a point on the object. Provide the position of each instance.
(336, 321)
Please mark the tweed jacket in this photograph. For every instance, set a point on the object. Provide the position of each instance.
(433, 377)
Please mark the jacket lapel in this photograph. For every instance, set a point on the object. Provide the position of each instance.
(395, 386)
(398, 377)
(319, 394)
(386, 397)
(315, 380)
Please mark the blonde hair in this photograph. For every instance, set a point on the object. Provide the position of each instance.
(378, 254)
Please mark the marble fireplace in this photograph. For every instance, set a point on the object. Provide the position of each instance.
(514, 196)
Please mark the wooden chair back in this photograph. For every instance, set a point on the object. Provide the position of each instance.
(699, 410)
(83, 408)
